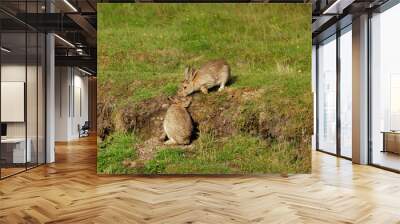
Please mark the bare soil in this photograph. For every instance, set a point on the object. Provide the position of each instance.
(212, 113)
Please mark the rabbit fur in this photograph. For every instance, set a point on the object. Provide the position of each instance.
(213, 73)
(177, 123)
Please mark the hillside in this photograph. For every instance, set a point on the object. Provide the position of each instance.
(262, 121)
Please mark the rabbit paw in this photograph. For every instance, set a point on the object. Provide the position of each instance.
(170, 142)
(204, 89)
(163, 137)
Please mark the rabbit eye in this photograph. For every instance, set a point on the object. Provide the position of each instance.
(184, 87)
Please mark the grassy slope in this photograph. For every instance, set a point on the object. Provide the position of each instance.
(268, 46)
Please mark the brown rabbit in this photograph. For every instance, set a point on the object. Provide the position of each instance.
(213, 73)
(178, 125)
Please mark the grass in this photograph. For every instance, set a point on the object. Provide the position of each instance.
(114, 151)
(144, 48)
(239, 154)
(265, 44)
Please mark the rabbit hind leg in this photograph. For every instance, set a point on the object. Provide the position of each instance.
(221, 87)
(185, 141)
(222, 84)
(170, 142)
(224, 79)
(163, 136)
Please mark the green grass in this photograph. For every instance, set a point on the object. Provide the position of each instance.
(114, 151)
(265, 44)
(170, 89)
(144, 48)
(239, 154)
(163, 159)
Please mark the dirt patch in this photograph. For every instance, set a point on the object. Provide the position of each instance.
(105, 108)
(216, 113)
(144, 118)
(221, 114)
(147, 150)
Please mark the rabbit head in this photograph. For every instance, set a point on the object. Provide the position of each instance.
(188, 85)
(181, 101)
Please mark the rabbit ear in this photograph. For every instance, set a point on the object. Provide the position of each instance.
(194, 74)
(172, 99)
(187, 72)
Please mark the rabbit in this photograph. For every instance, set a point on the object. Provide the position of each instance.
(213, 73)
(177, 124)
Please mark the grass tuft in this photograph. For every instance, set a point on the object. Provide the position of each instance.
(113, 151)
